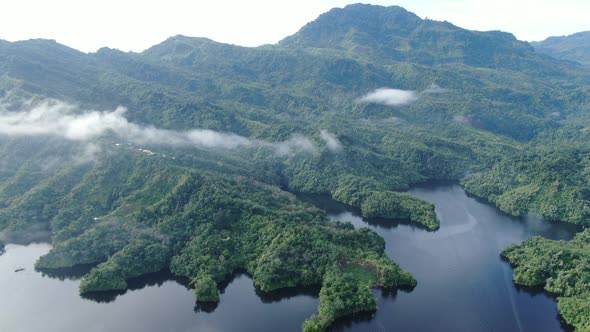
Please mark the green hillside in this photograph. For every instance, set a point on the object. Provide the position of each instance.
(197, 175)
(575, 47)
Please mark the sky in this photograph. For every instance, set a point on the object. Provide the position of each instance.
(133, 25)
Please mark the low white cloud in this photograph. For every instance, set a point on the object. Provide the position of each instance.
(54, 118)
(295, 144)
(390, 97)
(397, 97)
(332, 142)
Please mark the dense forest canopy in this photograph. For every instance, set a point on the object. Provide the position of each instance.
(183, 156)
(575, 47)
(562, 268)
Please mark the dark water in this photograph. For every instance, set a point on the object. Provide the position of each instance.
(31, 301)
(463, 285)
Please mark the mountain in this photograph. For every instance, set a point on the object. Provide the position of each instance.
(195, 173)
(393, 34)
(574, 47)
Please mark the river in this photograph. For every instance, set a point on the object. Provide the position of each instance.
(463, 284)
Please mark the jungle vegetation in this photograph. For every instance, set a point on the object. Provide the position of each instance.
(562, 268)
(487, 109)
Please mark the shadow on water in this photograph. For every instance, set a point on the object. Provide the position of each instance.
(205, 307)
(159, 278)
(72, 273)
(331, 206)
(209, 307)
(395, 223)
(134, 284)
(154, 302)
(287, 293)
(458, 267)
(349, 321)
(366, 316)
(543, 227)
(79, 271)
(265, 297)
(564, 325)
(463, 285)
(540, 291)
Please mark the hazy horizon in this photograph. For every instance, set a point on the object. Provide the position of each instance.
(135, 25)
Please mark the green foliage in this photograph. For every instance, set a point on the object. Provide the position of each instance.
(390, 275)
(575, 47)
(562, 268)
(94, 245)
(363, 274)
(393, 205)
(302, 255)
(103, 278)
(205, 288)
(341, 294)
(347, 289)
(576, 311)
(136, 259)
(360, 192)
(354, 190)
(547, 182)
(394, 34)
(148, 213)
(206, 214)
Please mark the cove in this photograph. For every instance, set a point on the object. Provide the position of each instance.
(33, 301)
(463, 284)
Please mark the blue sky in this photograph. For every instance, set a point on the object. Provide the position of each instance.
(135, 25)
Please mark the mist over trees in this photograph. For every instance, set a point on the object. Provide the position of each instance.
(184, 156)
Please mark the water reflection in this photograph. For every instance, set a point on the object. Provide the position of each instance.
(71, 273)
(463, 284)
(156, 302)
(346, 213)
(287, 293)
(149, 280)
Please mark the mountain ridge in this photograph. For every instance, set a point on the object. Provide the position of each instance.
(574, 47)
(362, 114)
(393, 33)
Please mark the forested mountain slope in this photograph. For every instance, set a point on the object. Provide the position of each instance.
(194, 175)
(575, 47)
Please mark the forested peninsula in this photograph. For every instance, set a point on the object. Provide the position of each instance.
(186, 156)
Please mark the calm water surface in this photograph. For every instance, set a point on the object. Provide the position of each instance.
(31, 301)
(463, 285)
